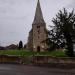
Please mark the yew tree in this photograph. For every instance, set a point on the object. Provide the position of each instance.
(63, 32)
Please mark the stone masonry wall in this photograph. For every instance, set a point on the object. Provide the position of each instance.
(40, 60)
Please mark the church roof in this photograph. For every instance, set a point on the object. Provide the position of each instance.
(38, 15)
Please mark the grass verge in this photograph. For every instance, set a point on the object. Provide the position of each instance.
(28, 53)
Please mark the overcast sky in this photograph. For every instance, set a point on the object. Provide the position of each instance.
(16, 17)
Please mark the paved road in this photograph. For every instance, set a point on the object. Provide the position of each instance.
(8, 69)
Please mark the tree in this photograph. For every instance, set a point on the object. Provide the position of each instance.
(63, 32)
(20, 45)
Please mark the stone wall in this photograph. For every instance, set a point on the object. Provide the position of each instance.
(47, 61)
(51, 59)
(10, 59)
(58, 62)
(37, 59)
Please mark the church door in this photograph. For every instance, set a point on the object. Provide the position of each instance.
(38, 49)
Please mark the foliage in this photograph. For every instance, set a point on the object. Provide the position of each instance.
(63, 32)
(20, 45)
(51, 45)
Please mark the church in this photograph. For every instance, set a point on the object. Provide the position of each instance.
(38, 33)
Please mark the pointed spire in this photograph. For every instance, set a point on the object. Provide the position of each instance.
(38, 15)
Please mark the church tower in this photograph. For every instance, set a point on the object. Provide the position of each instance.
(38, 32)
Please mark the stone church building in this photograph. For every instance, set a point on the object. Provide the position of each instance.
(38, 33)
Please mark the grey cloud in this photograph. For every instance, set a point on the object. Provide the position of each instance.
(12, 2)
(72, 4)
(4, 10)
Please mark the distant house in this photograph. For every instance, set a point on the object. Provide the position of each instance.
(2, 48)
(12, 46)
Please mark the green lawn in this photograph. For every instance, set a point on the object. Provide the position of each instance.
(28, 53)
(58, 53)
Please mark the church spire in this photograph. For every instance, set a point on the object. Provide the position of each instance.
(38, 15)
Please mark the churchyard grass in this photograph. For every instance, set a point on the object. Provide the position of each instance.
(31, 53)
